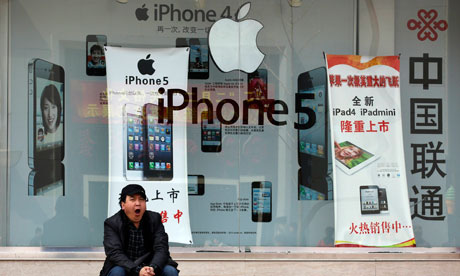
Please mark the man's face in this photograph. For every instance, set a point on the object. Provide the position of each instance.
(134, 208)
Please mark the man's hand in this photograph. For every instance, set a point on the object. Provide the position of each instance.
(147, 271)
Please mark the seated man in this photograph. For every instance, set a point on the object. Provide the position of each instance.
(135, 241)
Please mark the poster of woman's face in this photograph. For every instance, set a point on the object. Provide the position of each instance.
(50, 117)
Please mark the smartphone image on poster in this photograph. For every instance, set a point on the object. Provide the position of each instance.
(258, 88)
(313, 143)
(46, 113)
(352, 158)
(383, 201)
(133, 142)
(95, 56)
(369, 199)
(195, 185)
(211, 134)
(198, 67)
(261, 201)
(47, 182)
(159, 145)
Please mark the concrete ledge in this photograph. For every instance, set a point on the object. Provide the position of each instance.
(254, 254)
(260, 261)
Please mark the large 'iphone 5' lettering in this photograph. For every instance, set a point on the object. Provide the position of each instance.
(236, 111)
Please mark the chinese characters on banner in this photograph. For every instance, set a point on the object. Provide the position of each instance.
(142, 149)
(370, 186)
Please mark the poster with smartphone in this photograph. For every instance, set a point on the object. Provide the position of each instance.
(145, 147)
(371, 207)
(258, 89)
(261, 201)
(198, 58)
(158, 162)
(95, 58)
(211, 134)
(313, 147)
(46, 113)
(195, 185)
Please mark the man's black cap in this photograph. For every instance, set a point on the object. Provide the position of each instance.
(133, 189)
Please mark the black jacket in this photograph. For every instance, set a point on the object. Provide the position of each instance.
(116, 234)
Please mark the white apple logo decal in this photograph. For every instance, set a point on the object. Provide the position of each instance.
(233, 44)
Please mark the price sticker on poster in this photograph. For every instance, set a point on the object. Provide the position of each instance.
(148, 144)
(370, 187)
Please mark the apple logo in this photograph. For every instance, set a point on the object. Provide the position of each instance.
(233, 44)
(145, 66)
(141, 13)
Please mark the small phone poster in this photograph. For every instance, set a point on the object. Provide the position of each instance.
(195, 185)
(198, 58)
(369, 168)
(258, 89)
(211, 134)
(261, 201)
(369, 197)
(95, 56)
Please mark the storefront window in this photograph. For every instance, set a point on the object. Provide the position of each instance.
(256, 180)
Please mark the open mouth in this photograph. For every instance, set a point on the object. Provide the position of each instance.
(137, 211)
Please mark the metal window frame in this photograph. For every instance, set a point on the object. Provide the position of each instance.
(4, 105)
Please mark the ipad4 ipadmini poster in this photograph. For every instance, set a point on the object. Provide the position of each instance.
(133, 137)
(46, 113)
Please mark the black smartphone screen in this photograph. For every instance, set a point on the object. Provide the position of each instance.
(159, 145)
(95, 56)
(383, 201)
(258, 89)
(313, 142)
(48, 181)
(198, 58)
(369, 198)
(46, 112)
(261, 201)
(195, 185)
(211, 134)
(135, 142)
